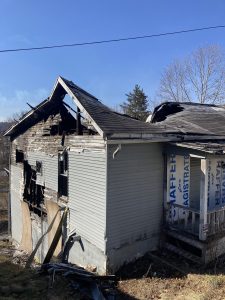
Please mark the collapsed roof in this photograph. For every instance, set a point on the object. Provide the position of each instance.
(212, 147)
(169, 120)
(191, 117)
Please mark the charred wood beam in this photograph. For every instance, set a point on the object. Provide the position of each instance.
(67, 105)
(32, 107)
(79, 126)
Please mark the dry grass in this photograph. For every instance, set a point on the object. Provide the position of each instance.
(4, 185)
(3, 201)
(193, 287)
(19, 283)
(166, 283)
(4, 181)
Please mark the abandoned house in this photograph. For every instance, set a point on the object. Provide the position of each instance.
(129, 186)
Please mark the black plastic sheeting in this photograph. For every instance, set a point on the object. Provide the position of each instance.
(90, 285)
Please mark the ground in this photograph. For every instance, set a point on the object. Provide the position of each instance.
(16, 282)
(146, 279)
(171, 278)
(193, 287)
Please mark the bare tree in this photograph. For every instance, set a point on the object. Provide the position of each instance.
(15, 117)
(4, 141)
(198, 78)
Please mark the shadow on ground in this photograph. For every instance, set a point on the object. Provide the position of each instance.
(17, 282)
(168, 265)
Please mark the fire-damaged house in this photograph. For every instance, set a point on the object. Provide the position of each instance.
(128, 186)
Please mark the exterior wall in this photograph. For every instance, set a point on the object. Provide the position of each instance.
(134, 201)
(35, 139)
(49, 177)
(87, 203)
(131, 185)
(16, 190)
(36, 146)
(39, 227)
(195, 176)
(86, 254)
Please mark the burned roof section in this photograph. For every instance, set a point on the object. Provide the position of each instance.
(109, 121)
(170, 120)
(105, 121)
(191, 118)
(162, 111)
(211, 147)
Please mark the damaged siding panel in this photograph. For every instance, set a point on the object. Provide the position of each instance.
(87, 142)
(87, 195)
(39, 227)
(16, 197)
(51, 172)
(135, 194)
(49, 176)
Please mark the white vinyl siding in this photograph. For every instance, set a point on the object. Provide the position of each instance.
(135, 194)
(87, 195)
(49, 176)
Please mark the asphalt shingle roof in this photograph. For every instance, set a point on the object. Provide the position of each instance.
(168, 118)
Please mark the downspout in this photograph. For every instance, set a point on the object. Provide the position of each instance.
(117, 150)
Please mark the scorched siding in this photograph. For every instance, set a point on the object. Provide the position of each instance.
(49, 177)
(135, 194)
(87, 195)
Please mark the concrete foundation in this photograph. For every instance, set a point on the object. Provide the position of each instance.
(129, 252)
(86, 254)
(214, 249)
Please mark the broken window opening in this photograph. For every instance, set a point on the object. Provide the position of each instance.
(33, 192)
(19, 156)
(39, 167)
(63, 174)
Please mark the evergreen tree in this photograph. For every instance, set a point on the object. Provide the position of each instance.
(136, 105)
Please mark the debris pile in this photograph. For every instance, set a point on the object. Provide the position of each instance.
(89, 284)
(20, 257)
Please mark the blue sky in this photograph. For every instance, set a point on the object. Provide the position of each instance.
(108, 71)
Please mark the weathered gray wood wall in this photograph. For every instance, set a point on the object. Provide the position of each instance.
(34, 139)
